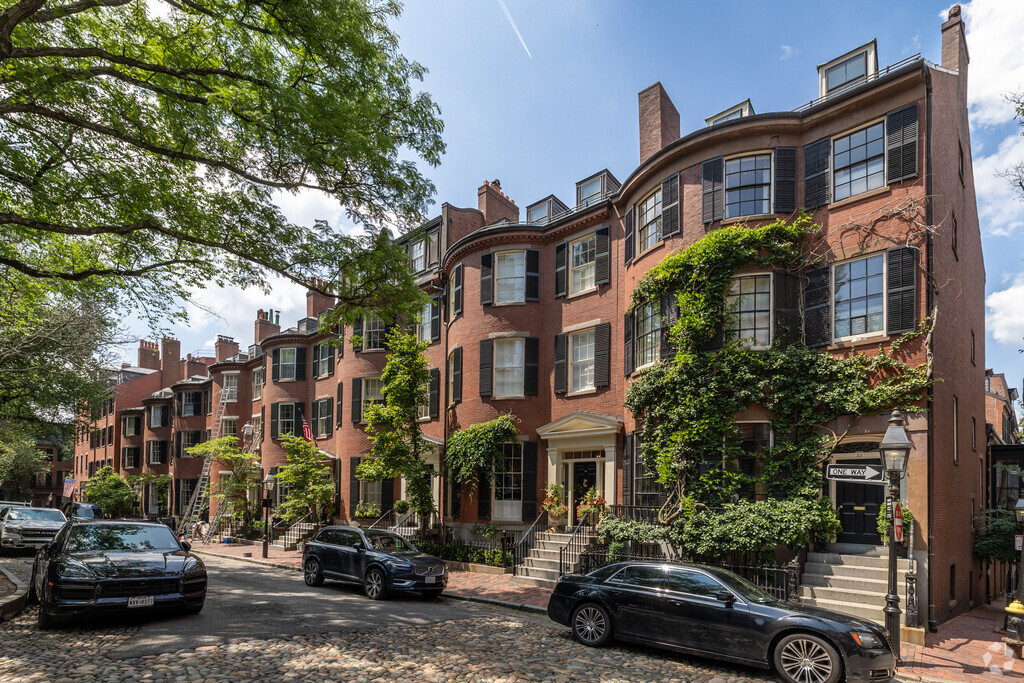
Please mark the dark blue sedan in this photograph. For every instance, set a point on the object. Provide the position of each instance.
(381, 561)
(715, 613)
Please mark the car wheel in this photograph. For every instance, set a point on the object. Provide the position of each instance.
(32, 598)
(805, 658)
(375, 586)
(312, 573)
(43, 618)
(591, 625)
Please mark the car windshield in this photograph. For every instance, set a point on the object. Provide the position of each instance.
(746, 589)
(120, 537)
(36, 515)
(388, 542)
(85, 512)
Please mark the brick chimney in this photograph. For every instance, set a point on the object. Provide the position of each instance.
(659, 121)
(265, 325)
(954, 43)
(317, 303)
(170, 361)
(225, 347)
(495, 204)
(149, 355)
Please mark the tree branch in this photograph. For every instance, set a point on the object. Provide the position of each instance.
(11, 17)
(79, 275)
(44, 16)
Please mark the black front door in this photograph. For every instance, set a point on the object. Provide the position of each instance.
(584, 478)
(859, 506)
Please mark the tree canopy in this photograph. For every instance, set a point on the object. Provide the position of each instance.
(142, 143)
(110, 491)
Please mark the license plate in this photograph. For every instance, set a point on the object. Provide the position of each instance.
(140, 601)
(431, 579)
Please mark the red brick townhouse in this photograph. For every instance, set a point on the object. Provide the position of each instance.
(531, 314)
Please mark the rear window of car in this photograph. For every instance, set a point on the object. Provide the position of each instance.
(85, 512)
(121, 537)
(648, 576)
(381, 540)
(36, 515)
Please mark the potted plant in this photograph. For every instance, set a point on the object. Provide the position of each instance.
(591, 505)
(367, 513)
(554, 503)
(402, 506)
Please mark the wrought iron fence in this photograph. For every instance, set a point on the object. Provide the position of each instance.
(496, 553)
(853, 86)
(526, 542)
(573, 548)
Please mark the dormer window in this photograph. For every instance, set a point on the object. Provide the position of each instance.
(848, 70)
(537, 215)
(590, 192)
(744, 108)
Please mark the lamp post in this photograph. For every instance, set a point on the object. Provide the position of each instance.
(1015, 610)
(268, 502)
(895, 451)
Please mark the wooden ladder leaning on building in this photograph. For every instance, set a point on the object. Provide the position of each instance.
(201, 495)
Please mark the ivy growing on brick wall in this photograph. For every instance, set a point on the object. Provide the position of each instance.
(686, 405)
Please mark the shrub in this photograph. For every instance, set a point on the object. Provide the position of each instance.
(882, 523)
(364, 509)
(402, 506)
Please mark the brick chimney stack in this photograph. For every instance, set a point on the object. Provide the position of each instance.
(149, 355)
(317, 303)
(170, 361)
(495, 204)
(954, 44)
(659, 121)
(225, 347)
(265, 325)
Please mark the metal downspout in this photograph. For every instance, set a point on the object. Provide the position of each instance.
(929, 298)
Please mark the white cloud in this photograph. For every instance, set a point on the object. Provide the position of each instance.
(232, 312)
(1000, 210)
(787, 52)
(994, 30)
(1002, 317)
(308, 206)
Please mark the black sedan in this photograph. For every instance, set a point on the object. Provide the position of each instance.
(712, 612)
(104, 566)
(380, 560)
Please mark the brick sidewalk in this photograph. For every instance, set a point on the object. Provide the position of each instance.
(967, 649)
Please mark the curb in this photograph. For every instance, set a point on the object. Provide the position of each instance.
(11, 605)
(522, 607)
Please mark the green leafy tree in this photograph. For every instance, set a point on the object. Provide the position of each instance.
(477, 450)
(398, 447)
(243, 474)
(308, 478)
(110, 491)
(143, 144)
(20, 460)
(995, 541)
(161, 483)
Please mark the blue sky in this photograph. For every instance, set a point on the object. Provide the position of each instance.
(558, 102)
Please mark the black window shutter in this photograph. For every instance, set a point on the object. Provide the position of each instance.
(387, 494)
(816, 165)
(177, 495)
(149, 451)
(670, 205)
(457, 375)
(785, 179)
(275, 364)
(602, 354)
(901, 143)
(164, 448)
(177, 445)
(316, 360)
(627, 224)
(387, 335)
(179, 400)
(712, 190)
(457, 276)
(330, 359)
(300, 362)
(273, 420)
(483, 497)
(669, 317)
(265, 373)
(327, 406)
(531, 379)
(532, 275)
(299, 410)
(435, 318)
(901, 290)
(486, 278)
(434, 393)
(341, 392)
(786, 290)
(353, 486)
(627, 469)
(561, 342)
(486, 364)
(263, 421)
(207, 401)
(357, 399)
(627, 336)
(560, 269)
(602, 257)
(357, 335)
(529, 480)
(817, 307)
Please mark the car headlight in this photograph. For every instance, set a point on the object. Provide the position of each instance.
(395, 564)
(73, 570)
(867, 640)
(16, 530)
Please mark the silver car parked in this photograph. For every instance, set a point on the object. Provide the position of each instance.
(24, 527)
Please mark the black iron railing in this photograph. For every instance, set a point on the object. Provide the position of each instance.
(853, 86)
(635, 513)
(521, 549)
(577, 543)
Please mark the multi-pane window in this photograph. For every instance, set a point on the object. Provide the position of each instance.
(508, 367)
(373, 392)
(188, 440)
(371, 492)
(508, 485)
(648, 333)
(858, 162)
(257, 383)
(581, 360)
(590, 192)
(130, 456)
(188, 487)
(229, 426)
(287, 367)
(132, 425)
(649, 221)
(748, 306)
(158, 416)
(423, 323)
(323, 359)
(373, 333)
(285, 418)
(583, 253)
(537, 215)
(231, 387)
(755, 439)
(257, 425)
(647, 492)
(850, 71)
(450, 379)
(322, 417)
(858, 296)
(191, 403)
(510, 276)
(418, 255)
(748, 185)
(423, 409)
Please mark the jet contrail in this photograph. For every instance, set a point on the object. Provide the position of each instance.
(515, 28)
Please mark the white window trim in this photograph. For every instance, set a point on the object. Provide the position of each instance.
(744, 108)
(494, 369)
(422, 245)
(638, 225)
(569, 363)
(257, 386)
(449, 380)
(224, 377)
(323, 360)
(366, 337)
(832, 159)
(319, 416)
(771, 310)
(771, 184)
(543, 220)
(494, 278)
(296, 424)
(424, 325)
(363, 402)
(570, 268)
(292, 364)
(593, 198)
(885, 300)
(495, 507)
(636, 336)
(871, 68)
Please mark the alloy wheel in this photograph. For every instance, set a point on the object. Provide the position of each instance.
(806, 661)
(590, 625)
(374, 585)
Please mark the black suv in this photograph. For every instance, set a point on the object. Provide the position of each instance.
(380, 560)
(78, 510)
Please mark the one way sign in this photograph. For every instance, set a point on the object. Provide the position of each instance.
(862, 473)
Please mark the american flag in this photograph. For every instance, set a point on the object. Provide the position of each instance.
(307, 433)
(69, 487)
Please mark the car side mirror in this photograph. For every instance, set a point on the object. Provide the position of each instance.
(186, 546)
(725, 596)
(358, 545)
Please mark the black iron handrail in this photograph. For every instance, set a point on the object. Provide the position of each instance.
(521, 549)
(576, 544)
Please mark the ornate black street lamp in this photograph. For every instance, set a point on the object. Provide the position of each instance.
(895, 450)
(268, 502)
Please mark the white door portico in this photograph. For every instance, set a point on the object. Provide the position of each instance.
(582, 433)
